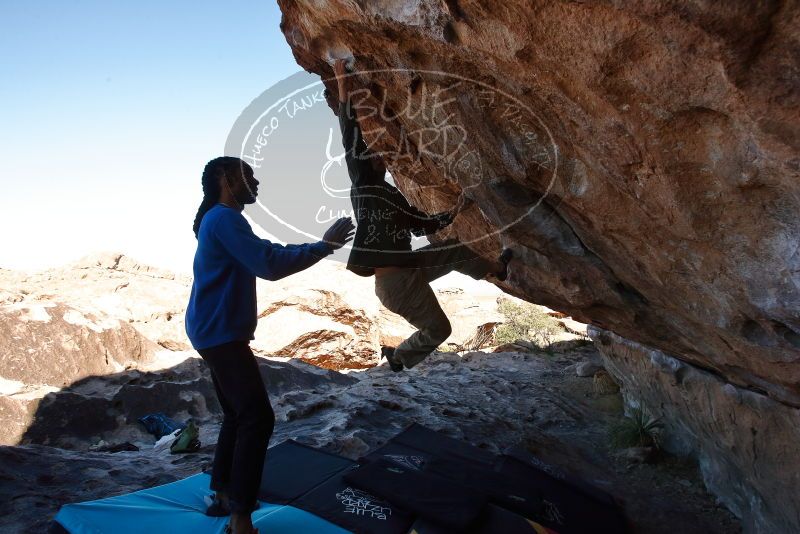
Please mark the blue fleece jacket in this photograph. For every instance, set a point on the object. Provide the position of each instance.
(229, 257)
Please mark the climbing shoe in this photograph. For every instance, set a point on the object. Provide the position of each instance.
(394, 362)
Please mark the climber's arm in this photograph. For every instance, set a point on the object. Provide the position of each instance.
(420, 223)
(356, 152)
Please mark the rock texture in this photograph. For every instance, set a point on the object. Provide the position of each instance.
(46, 345)
(309, 316)
(46, 342)
(113, 286)
(641, 157)
(658, 141)
(107, 408)
(746, 443)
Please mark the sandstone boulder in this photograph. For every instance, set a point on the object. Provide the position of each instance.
(640, 156)
(318, 326)
(312, 317)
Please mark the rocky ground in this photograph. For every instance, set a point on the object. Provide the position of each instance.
(88, 348)
(494, 400)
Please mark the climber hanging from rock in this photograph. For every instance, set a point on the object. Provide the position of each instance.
(382, 244)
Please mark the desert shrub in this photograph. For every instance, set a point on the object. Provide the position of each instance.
(525, 321)
(636, 430)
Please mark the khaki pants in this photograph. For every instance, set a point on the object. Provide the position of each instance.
(407, 293)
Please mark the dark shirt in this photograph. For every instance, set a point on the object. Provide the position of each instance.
(385, 221)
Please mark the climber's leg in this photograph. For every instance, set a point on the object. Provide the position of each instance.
(439, 259)
(406, 292)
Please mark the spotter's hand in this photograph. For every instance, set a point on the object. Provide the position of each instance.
(339, 233)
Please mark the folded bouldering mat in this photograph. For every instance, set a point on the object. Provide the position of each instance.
(516, 481)
(420, 481)
(292, 469)
(568, 504)
(437, 444)
(440, 500)
(354, 508)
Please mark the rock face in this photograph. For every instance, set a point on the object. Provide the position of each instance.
(746, 443)
(641, 157)
(50, 343)
(306, 316)
(663, 156)
(318, 326)
(113, 286)
(45, 345)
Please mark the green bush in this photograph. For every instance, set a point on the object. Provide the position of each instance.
(525, 321)
(637, 430)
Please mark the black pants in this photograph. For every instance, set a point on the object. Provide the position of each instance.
(247, 425)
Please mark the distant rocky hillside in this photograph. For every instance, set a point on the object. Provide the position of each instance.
(307, 315)
(110, 286)
(107, 313)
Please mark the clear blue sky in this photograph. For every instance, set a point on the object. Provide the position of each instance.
(109, 110)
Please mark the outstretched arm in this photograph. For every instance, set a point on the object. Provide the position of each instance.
(419, 223)
(422, 224)
(429, 224)
(355, 148)
(271, 261)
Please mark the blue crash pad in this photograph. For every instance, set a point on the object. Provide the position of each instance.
(176, 508)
